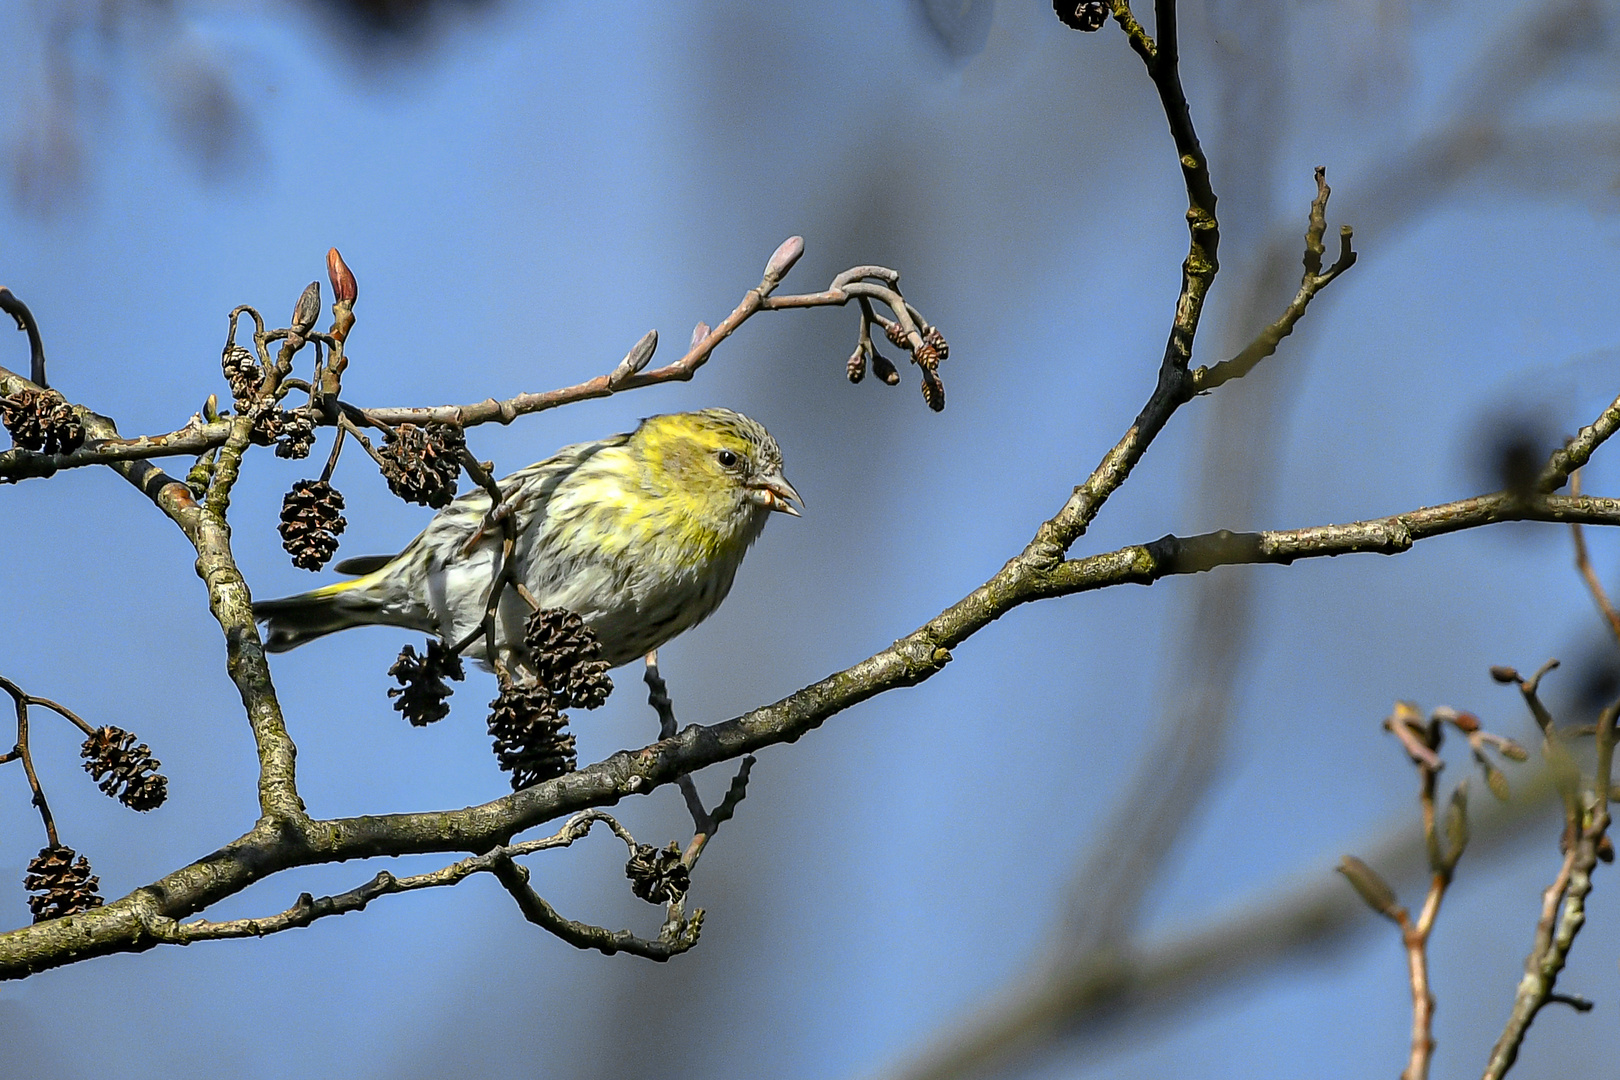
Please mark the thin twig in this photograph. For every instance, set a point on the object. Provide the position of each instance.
(1563, 904)
(846, 287)
(307, 909)
(21, 750)
(26, 323)
(658, 697)
(1314, 280)
(704, 823)
(1583, 564)
(332, 458)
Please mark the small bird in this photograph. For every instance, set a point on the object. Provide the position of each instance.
(640, 534)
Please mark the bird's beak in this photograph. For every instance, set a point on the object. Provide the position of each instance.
(774, 492)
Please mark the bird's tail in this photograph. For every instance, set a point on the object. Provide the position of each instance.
(293, 620)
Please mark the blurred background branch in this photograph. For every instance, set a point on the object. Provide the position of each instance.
(1209, 656)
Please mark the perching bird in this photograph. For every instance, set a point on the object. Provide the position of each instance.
(640, 534)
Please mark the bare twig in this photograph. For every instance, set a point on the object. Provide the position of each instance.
(25, 322)
(1300, 920)
(704, 823)
(845, 287)
(1444, 848)
(1583, 564)
(658, 697)
(497, 861)
(1563, 905)
(1314, 280)
(22, 751)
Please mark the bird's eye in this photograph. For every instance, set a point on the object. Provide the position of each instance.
(728, 460)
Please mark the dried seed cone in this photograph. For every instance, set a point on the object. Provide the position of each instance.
(42, 420)
(530, 740)
(268, 426)
(926, 358)
(123, 769)
(421, 462)
(311, 522)
(65, 886)
(897, 336)
(884, 369)
(658, 876)
(1087, 15)
(936, 341)
(243, 373)
(420, 696)
(567, 656)
(297, 435)
(856, 367)
(933, 391)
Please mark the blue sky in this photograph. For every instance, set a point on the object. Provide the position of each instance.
(523, 200)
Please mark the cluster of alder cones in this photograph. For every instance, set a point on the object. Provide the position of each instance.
(526, 721)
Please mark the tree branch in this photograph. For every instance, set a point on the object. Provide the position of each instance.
(1314, 280)
(277, 845)
(1586, 830)
(498, 862)
(105, 447)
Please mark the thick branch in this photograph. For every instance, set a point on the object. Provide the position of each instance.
(1175, 385)
(205, 526)
(307, 909)
(105, 447)
(275, 846)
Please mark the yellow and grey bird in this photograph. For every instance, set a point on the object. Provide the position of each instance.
(640, 534)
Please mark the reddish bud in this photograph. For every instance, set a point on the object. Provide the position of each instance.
(783, 258)
(700, 334)
(344, 288)
(1503, 674)
(856, 367)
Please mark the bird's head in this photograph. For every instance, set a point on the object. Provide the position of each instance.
(728, 464)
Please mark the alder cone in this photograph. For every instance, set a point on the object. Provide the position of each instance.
(421, 462)
(658, 876)
(123, 769)
(567, 656)
(311, 522)
(530, 740)
(63, 882)
(42, 420)
(421, 695)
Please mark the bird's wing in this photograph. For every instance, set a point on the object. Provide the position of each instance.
(361, 565)
(451, 534)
